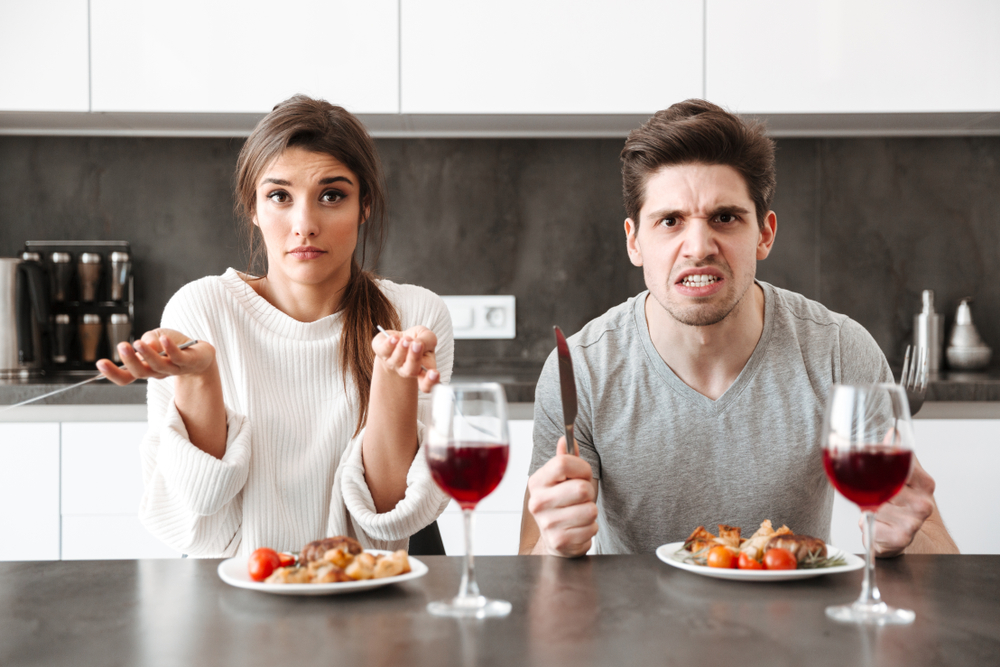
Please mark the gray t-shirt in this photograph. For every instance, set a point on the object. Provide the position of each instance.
(670, 459)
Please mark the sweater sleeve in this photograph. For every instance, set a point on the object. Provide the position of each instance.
(191, 500)
(423, 501)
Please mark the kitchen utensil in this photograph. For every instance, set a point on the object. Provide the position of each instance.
(182, 346)
(121, 267)
(90, 336)
(61, 340)
(24, 316)
(567, 386)
(913, 379)
(89, 269)
(928, 331)
(63, 273)
(966, 350)
(868, 454)
(467, 449)
(119, 329)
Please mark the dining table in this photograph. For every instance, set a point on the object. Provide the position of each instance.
(595, 610)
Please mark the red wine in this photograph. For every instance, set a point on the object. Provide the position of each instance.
(868, 477)
(468, 471)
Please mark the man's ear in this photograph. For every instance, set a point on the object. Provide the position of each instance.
(767, 235)
(632, 242)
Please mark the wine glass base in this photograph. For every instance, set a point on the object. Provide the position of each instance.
(476, 606)
(870, 614)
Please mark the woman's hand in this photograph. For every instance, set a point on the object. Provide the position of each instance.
(144, 359)
(409, 354)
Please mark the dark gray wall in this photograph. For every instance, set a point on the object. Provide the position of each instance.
(863, 224)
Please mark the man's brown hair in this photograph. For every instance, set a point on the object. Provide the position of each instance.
(696, 131)
(321, 127)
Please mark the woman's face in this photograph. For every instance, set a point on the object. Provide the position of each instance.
(308, 209)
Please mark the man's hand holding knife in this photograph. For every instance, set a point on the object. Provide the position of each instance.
(562, 494)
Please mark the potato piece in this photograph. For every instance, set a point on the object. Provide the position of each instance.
(339, 557)
(392, 565)
(289, 575)
(363, 567)
(329, 574)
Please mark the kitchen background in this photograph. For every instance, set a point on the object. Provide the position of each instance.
(864, 224)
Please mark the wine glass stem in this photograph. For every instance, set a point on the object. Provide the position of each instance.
(869, 591)
(469, 588)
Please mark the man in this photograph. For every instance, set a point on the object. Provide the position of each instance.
(701, 400)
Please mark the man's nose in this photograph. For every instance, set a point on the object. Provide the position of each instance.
(305, 221)
(699, 240)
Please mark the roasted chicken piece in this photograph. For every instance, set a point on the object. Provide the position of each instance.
(317, 549)
(329, 573)
(290, 575)
(699, 539)
(802, 546)
(729, 536)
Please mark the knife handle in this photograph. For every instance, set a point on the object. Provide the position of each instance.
(570, 441)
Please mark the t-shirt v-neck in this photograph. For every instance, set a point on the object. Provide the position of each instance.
(674, 383)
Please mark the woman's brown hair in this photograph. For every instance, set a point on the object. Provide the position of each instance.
(696, 131)
(321, 127)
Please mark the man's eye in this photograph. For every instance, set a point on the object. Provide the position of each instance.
(278, 196)
(727, 217)
(668, 222)
(332, 196)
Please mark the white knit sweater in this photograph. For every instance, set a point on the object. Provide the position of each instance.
(291, 473)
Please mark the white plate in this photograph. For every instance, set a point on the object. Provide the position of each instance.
(667, 553)
(234, 572)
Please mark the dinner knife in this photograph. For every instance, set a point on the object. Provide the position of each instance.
(182, 346)
(567, 386)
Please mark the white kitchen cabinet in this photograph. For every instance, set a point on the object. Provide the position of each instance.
(215, 56)
(29, 491)
(101, 491)
(963, 457)
(43, 56)
(559, 56)
(497, 519)
(853, 56)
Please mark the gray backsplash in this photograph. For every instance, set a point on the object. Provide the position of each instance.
(863, 224)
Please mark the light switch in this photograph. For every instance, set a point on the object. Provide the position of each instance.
(482, 317)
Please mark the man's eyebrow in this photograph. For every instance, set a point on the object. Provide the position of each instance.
(731, 209)
(665, 213)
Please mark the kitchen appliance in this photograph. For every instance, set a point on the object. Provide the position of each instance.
(24, 316)
(928, 332)
(966, 349)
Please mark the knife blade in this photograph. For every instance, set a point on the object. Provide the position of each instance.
(567, 386)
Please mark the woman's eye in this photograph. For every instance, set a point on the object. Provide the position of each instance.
(278, 196)
(332, 196)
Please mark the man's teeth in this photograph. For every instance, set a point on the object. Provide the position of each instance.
(699, 280)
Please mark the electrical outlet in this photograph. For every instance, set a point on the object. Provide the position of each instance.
(483, 317)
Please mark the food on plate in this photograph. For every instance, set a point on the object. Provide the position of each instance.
(331, 560)
(262, 563)
(766, 549)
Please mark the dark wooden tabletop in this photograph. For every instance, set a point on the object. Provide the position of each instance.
(603, 610)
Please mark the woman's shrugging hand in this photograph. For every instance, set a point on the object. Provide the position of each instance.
(409, 354)
(143, 359)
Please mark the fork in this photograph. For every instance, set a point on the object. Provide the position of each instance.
(913, 379)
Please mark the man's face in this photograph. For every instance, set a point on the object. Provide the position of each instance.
(698, 241)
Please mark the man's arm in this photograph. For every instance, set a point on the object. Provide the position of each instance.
(910, 522)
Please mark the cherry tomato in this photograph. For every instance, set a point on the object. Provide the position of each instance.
(747, 563)
(262, 563)
(721, 556)
(287, 560)
(780, 559)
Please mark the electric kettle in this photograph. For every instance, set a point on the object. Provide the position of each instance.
(24, 316)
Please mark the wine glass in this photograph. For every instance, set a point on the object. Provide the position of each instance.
(467, 448)
(867, 454)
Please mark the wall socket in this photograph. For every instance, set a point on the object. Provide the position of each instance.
(481, 317)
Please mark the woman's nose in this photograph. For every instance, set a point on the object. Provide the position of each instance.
(305, 221)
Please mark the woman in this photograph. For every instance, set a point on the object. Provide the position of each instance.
(292, 418)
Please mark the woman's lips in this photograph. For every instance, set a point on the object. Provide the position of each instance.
(306, 253)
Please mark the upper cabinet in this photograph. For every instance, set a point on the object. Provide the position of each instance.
(43, 56)
(853, 56)
(554, 57)
(216, 56)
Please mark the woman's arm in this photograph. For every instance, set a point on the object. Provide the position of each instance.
(404, 363)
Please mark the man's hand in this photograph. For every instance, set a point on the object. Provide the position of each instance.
(911, 518)
(562, 497)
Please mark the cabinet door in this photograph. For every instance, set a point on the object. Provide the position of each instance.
(29, 491)
(788, 56)
(559, 56)
(43, 56)
(101, 492)
(216, 56)
(962, 455)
